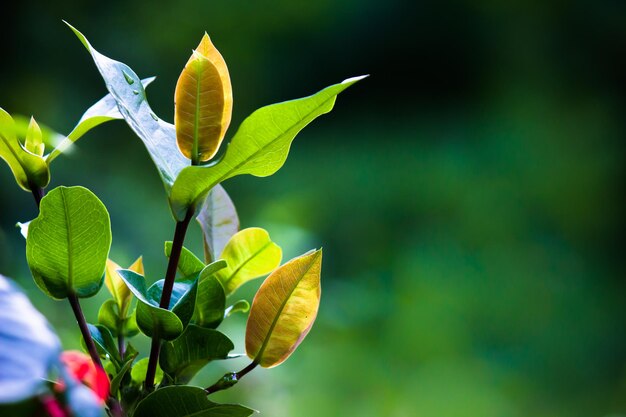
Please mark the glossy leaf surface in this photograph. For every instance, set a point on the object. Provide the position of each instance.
(153, 320)
(102, 111)
(284, 310)
(68, 243)
(259, 147)
(182, 358)
(250, 254)
(158, 136)
(138, 373)
(218, 220)
(184, 401)
(203, 103)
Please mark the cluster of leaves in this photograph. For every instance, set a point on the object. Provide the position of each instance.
(67, 245)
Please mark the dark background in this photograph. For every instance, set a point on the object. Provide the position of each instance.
(468, 195)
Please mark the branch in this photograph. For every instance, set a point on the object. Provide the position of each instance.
(230, 379)
(166, 295)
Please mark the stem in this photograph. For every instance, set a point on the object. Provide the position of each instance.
(84, 330)
(166, 295)
(230, 379)
(38, 194)
(120, 345)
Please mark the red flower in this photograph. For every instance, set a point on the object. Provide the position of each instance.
(82, 368)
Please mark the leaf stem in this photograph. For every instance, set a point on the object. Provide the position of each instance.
(84, 330)
(38, 194)
(166, 295)
(230, 379)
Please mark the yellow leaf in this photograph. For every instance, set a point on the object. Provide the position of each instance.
(250, 254)
(284, 310)
(117, 287)
(203, 103)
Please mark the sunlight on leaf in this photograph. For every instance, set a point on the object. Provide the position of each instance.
(284, 310)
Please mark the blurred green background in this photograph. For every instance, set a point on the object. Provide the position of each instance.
(468, 195)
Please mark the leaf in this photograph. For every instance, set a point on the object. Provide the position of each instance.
(33, 142)
(218, 220)
(211, 298)
(158, 136)
(203, 103)
(284, 309)
(29, 169)
(138, 373)
(153, 320)
(241, 306)
(184, 401)
(29, 347)
(182, 358)
(117, 287)
(117, 379)
(68, 243)
(105, 343)
(188, 264)
(103, 111)
(109, 317)
(259, 147)
(250, 254)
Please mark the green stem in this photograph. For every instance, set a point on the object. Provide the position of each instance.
(230, 379)
(166, 295)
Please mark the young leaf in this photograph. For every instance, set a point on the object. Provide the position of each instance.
(218, 220)
(184, 401)
(203, 103)
(29, 169)
(188, 264)
(153, 320)
(259, 147)
(182, 358)
(284, 309)
(250, 254)
(34, 140)
(211, 299)
(158, 136)
(68, 243)
(117, 287)
(103, 111)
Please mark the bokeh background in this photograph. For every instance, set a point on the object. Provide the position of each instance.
(469, 195)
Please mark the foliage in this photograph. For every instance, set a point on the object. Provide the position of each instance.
(68, 243)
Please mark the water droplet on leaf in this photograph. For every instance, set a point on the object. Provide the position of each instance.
(128, 77)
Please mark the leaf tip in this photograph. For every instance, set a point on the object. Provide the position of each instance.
(353, 80)
(80, 36)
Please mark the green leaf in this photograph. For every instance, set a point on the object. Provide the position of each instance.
(158, 136)
(116, 286)
(188, 264)
(33, 142)
(284, 310)
(241, 306)
(259, 147)
(250, 254)
(108, 316)
(117, 379)
(138, 373)
(186, 401)
(196, 347)
(105, 343)
(203, 103)
(68, 243)
(29, 169)
(218, 220)
(103, 111)
(211, 298)
(153, 320)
